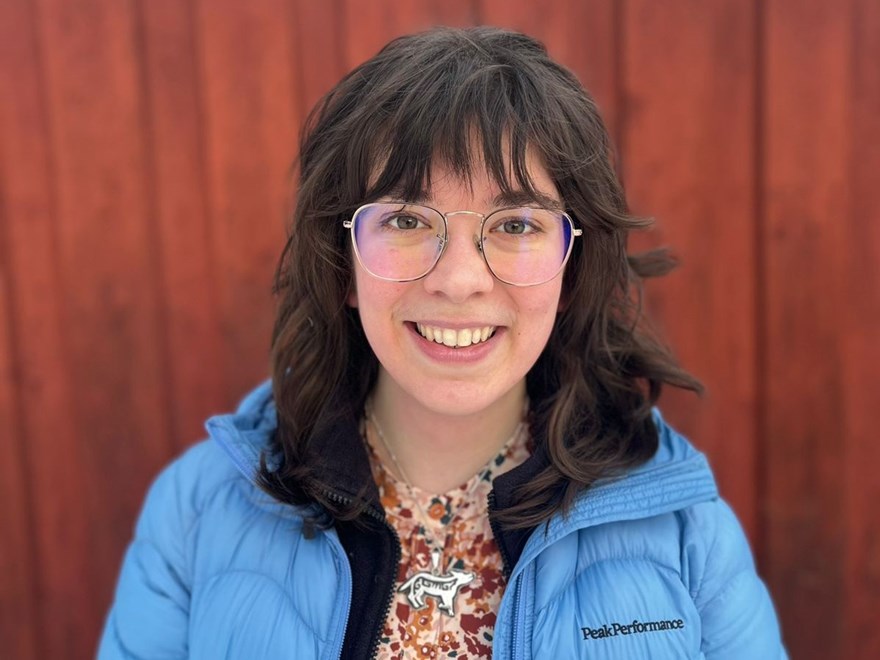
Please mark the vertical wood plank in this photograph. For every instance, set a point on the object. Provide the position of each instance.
(18, 616)
(116, 427)
(21, 158)
(40, 445)
(861, 348)
(368, 26)
(251, 115)
(177, 183)
(811, 238)
(416, 15)
(688, 152)
(319, 61)
(581, 34)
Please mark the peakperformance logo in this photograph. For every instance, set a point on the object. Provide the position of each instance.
(634, 628)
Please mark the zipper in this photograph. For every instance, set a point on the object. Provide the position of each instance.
(342, 500)
(389, 596)
(515, 619)
(506, 566)
(378, 516)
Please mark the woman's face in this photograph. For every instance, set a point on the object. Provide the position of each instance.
(459, 294)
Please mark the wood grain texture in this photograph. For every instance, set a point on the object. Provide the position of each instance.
(688, 155)
(251, 121)
(18, 614)
(18, 609)
(823, 242)
(114, 431)
(812, 242)
(582, 35)
(369, 26)
(319, 61)
(176, 177)
(41, 442)
(861, 348)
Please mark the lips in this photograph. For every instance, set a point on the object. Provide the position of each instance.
(456, 338)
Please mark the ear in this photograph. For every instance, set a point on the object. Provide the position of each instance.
(352, 299)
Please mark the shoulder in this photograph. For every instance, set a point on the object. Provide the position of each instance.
(714, 547)
(190, 479)
(698, 546)
(154, 592)
(216, 565)
(655, 546)
(196, 473)
(181, 493)
(631, 531)
(226, 461)
(655, 532)
(710, 540)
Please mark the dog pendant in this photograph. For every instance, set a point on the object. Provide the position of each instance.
(442, 587)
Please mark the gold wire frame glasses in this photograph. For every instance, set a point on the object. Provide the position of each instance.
(521, 246)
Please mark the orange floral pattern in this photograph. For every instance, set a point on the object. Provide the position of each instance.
(461, 517)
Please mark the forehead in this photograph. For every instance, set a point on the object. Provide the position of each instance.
(524, 183)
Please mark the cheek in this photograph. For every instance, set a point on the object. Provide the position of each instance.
(541, 307)
(376, 302)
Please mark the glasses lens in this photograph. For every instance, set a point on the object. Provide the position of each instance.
(398, 241)
(526, 246)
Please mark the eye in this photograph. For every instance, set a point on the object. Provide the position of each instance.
(515, 224)
(404, 221)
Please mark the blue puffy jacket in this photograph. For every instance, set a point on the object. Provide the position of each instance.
(652, 565)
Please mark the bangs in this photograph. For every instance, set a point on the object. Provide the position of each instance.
(467, 142)
(478, 102)
(472, 114)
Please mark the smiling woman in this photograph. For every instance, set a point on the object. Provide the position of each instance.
(462, 400)
(458, 454)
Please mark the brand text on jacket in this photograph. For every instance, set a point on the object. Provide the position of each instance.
(636, 627)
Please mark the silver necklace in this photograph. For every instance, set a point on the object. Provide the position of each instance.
(441, 584)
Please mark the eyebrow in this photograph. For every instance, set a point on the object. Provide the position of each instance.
(522, 198)
(501, 200)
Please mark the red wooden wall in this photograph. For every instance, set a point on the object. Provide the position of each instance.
(144, 156)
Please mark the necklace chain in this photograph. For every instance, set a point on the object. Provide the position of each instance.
(438, 549)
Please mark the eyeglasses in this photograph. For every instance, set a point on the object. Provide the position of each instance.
(403, 242)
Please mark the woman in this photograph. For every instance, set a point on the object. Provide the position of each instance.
(457, 455)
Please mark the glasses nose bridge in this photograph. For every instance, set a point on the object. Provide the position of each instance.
(463, 212)
(476, 236)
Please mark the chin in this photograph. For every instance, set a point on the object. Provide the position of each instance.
(464, 399)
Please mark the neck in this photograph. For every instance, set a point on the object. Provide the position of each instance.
(438, 450)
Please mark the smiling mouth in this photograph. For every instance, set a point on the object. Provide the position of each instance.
(456, 338)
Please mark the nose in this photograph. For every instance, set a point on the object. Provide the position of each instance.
(461, 271)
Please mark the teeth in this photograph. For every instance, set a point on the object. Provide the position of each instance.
(455, 338)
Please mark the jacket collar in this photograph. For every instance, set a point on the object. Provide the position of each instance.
(247, 434)
(677, 476)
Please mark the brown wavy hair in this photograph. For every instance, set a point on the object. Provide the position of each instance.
(476, 97)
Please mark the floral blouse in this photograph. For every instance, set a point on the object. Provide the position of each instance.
(459, 516)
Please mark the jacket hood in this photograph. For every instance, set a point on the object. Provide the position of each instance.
(677, 476)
